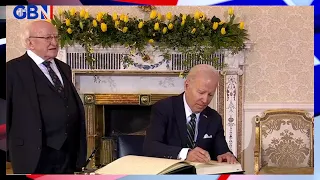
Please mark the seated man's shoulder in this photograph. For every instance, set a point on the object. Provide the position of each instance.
(212, 112)
(165, 102)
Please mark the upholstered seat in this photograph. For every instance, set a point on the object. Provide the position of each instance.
(286, 170)
(130, 145)
(284, 142)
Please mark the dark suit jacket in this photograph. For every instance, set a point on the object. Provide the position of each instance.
(24, 139)
(167, 133)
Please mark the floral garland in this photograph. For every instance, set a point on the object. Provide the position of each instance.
(189, 34)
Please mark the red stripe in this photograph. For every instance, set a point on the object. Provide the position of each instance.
(224, 177)
(151, 2)
(34, 176)
(2, 131)
(51, 11)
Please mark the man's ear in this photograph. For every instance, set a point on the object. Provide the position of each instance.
(29, 43)
(186, 84)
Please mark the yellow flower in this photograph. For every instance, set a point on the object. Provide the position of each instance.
(183, 22)
(122, 17)
(72, 11)
(68, 23)
(184, 17)
(94, 23)
(151, 41)
(140, 25)
(86, 16)
(156, 26)
(126, 19)
(159, 16)
(215, 25)
(116, 23)
(114, 16)
(193, 30)
(230, 11)
(125, 29)
(69, 30)
(221, 22)
(99, 16)
(197, 15)
(202, 16)
(103, 27)
(241, 25)
(169, 16)
(170, 26)
(223, 31)
(60, 12)
(82, 13)
(164, 30)
(153, 14)
(48, 20)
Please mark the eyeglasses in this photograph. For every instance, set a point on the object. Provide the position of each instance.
(47, 38)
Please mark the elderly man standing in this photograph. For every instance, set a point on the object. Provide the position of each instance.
(45, 118)
(184, 127)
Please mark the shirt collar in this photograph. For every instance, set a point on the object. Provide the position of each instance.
(37, 59)
(187, 109)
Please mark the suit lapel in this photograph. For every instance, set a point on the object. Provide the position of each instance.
(181, 119)
(61, 69)
(203, 125)
(64, 71)
(26, 74)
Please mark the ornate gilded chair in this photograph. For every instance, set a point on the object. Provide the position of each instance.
(284, 142)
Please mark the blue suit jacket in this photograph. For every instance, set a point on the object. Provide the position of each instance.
(167, 133)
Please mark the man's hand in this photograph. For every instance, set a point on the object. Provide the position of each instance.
(198, 155)
(227, 157)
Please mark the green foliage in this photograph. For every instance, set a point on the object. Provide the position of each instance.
(189, 34)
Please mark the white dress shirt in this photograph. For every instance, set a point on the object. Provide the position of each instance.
(38, 60)
(184, 151)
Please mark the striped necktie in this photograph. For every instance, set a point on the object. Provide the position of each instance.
(191, 129)
(56, 81)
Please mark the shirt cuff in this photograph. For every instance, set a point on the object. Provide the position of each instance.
(183, 153)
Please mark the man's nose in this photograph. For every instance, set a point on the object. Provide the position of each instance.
(204, 99)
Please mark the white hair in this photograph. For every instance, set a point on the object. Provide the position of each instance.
(201, 70)
(25, 35)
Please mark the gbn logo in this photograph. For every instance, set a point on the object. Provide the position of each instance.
(33, 12)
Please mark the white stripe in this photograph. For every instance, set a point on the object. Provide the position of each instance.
(199, 3)
(316, 61)
(2, 41)
(298, 2)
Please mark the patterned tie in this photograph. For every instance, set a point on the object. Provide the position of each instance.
(56, 81)
(191, 127)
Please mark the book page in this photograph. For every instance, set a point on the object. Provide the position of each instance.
(213, 167)
(140, 165)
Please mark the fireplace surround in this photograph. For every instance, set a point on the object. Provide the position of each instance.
(109, 86)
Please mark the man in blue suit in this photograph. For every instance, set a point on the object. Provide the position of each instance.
(184, 127)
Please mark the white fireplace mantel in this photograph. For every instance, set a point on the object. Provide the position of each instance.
(160, 76)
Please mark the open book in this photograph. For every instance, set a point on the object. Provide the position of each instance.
(134, 165)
